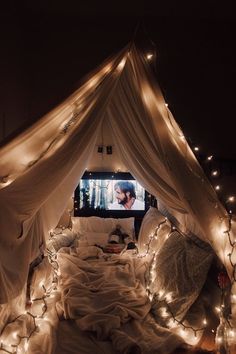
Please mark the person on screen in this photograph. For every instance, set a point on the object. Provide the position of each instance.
(126, 197)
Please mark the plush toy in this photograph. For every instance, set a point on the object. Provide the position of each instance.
(118, 236)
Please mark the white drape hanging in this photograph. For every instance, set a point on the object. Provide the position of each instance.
(33, 202)
(41, 167)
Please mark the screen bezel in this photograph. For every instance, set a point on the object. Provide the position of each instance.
(108, 212)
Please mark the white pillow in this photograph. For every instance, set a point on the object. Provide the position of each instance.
(152, 219)
(81, 225)
(63, 239)
(84, 224)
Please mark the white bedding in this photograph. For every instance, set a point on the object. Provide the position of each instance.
(107, 300)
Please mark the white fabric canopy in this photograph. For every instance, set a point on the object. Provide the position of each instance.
(40, 168)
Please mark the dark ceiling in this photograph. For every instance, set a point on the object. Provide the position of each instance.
(48, 46)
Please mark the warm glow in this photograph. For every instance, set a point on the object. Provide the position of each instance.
(164, 312)
(106, 69)
(149, 56)
(26, 346)
(219, 340)
(168, 297)
(231, 199)
(233, 297)
(215, 173)
(171, 323)
(209, 158)
(182, 332)
(196, 148)
(6, 181)
(92, 82)
(121, 64)
(217, 187)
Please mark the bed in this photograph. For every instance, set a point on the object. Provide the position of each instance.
(84, 298)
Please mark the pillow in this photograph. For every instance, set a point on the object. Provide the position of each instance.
(127, 225)
(63, 239)
(80, 225)
(151, 221)
(181, 267)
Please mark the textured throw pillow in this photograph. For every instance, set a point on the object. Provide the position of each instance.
(181, 269)
(63, 239)
(152, 220)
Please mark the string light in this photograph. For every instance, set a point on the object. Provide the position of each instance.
(149, 56)
(215, 173)
(210, 157)
(231, 199)
(196, 148)
(21, 342)
(165, 298)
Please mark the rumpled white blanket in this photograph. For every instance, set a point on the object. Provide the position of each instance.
(107, 297)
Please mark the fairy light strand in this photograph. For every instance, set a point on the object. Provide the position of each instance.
(151, 278)
(44, 308)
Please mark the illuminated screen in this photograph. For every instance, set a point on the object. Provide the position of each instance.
(111, 194)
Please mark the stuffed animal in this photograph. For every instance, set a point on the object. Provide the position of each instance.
(118, 236)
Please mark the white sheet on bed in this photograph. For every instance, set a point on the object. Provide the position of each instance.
(106, 297)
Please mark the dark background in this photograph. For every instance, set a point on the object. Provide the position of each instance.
(48, 46)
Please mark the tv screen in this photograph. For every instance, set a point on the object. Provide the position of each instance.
(111, 194)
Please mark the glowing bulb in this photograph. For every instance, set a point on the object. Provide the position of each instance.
(219, 340)
(209, 158)
(217, 187)
(196, 148)
(14, 334)
(215, 173)
(166, 104)
(204, 321)
(169, 297)
(171, 323)
(163, 311)
(26, 346)
(231, 199)
(233, 297)
(183, 333)
(149, 56)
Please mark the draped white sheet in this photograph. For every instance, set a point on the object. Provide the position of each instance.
(41, 167)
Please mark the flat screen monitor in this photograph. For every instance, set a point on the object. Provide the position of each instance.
(111, 194)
